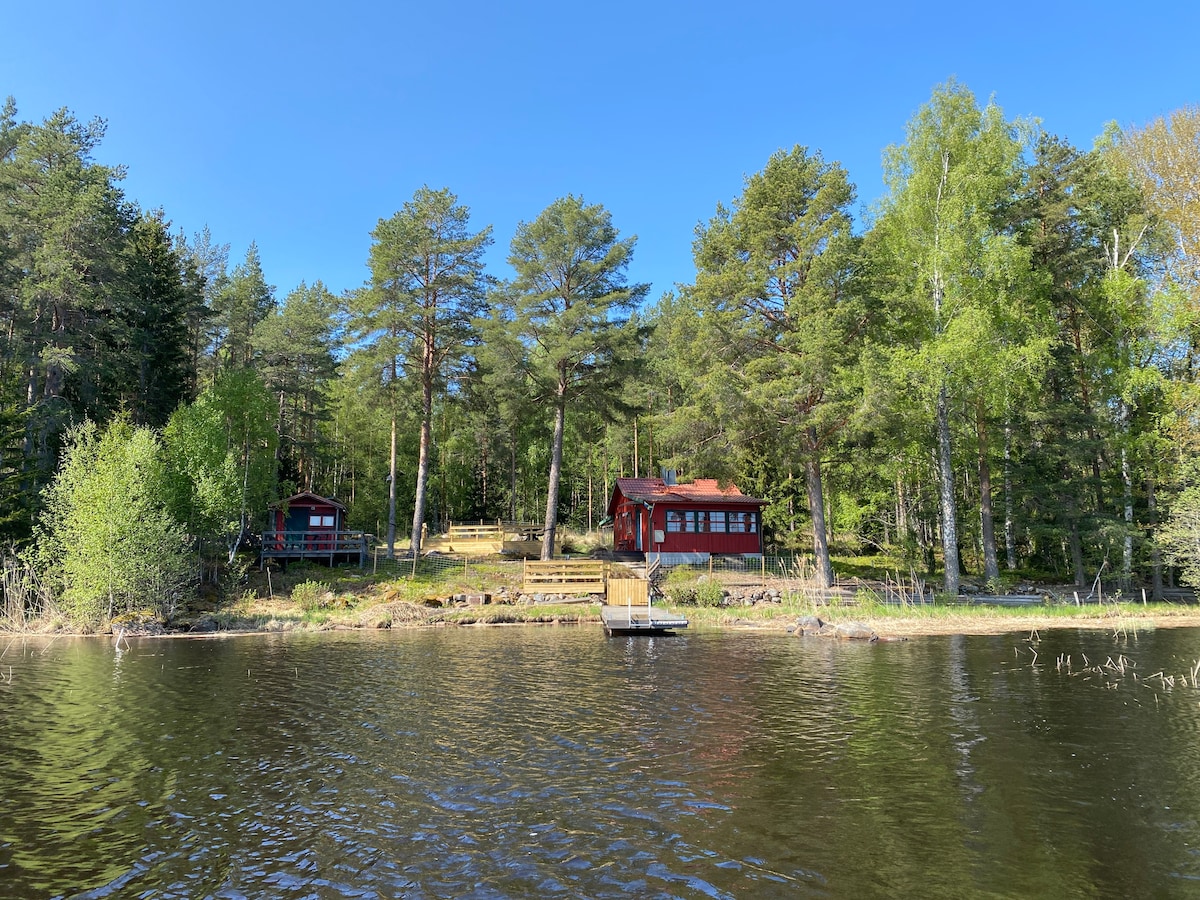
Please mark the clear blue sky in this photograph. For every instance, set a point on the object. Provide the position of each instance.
(299, 125)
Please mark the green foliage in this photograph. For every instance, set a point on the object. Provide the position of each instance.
(109, 544)
(416, 321)
(296, 349)
(311, 596)
(685, 588)
(571, 311)
(243, 301)
(1179, 536)
(154, 310)
(1029, 312)
(221, 452)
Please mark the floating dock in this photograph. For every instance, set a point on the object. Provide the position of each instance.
(639, 620)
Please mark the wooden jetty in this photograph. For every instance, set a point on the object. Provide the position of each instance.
(639, 620)
(628, 610)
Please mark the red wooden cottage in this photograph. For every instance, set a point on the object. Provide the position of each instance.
(309, 526)
(684, 522)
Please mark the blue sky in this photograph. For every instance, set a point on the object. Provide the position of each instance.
(299, 125)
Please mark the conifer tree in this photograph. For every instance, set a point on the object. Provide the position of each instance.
(573, 311)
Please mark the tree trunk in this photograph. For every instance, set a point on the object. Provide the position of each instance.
(391, 526)
(1156, 575)
(1010, 538)
(560, 418)
(991, 567)
(1127, 548)
(946, 492)
(816, 506)
(637, 463)
(513, 448)
(945, 457)
(423, 460)
(1076, 546)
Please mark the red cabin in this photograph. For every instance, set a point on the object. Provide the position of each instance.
(309, 526)
(684, 522)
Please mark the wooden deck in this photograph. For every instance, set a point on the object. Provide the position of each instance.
(326, 546)
(510, 539)
(639, 620)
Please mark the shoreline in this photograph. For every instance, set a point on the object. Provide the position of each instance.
(760, 618)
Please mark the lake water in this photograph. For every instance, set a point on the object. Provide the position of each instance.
(556, 762)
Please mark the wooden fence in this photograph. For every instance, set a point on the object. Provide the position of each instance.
(564, 576)
(628, 592)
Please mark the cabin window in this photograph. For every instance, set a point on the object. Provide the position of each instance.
(674, 520)
(689, 520)
(316, 521)
(742, 523)
(716, 522)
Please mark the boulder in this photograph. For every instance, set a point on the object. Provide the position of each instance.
(809, 625)
(856, 631)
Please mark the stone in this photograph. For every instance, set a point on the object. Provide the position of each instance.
(856, 631)
(204, 625)
(809, 625)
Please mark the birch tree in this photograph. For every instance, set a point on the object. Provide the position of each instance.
(938, 236)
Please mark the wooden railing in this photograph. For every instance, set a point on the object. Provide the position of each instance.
(314, 544)
(565, 576)
(493, 533)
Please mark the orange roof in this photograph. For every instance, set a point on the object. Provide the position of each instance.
(702, 490)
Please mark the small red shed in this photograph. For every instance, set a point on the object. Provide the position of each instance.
(309, 526)
(310, 518)
(684, 522)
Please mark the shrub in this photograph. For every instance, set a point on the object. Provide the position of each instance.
(311, 596)
(683, 588)
(107, 544)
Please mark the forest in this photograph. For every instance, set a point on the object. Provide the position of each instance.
(991, 374)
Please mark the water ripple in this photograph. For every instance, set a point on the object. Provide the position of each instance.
(555, 762)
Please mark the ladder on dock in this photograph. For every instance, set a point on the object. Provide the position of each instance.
(628, 610)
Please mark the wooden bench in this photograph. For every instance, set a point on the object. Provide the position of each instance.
(564, 576)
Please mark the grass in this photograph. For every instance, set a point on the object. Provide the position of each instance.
(308, 596)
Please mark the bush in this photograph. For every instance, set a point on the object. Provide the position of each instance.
(311, 596)
(106, 543)
(684, 589)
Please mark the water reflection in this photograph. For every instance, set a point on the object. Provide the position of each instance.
(558, 762)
